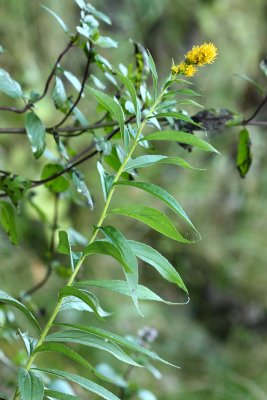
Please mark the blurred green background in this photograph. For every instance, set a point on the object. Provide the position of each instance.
(219, 338)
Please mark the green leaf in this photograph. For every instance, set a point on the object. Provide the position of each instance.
(181, 137)
(9, 86)
(177, 115)
(30, 386)
(2, 395)
(73, 80)
(8, 222)
(164, 196)
(59, 95)
(118, 240)
(64, 247)
(154, 73)
(112, 337)
(98, 14)
(56, 185)
(156, 260)
(153, 218)
(59, 395)
(85, 339)
(111, 105)
(108, 249)
(106, 42)
(83, 382)
(36, 133)
(59, 20)
(5, 298)
(121, 287)
(188, 92)
(70, 353)
(244, 155)
(147, 160)
(79, 183)
(106, 180)
(14, 186)
(86, 297)
(131, 89)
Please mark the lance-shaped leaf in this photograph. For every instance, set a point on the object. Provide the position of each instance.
(160, 263)
(5, 298)
(85, 339)
(8, 85)
(114, 338)
(36, 133)
(153, 218)
(118, 240)
(59, 20)
(106, 180)
(79, 183)
(164, 196)
(73, 80)
(53, 394)
(111, 105)
(106, 248)
(81, 381)
(177, 115)
(30, 386)
(154, 73)
(244, 156)
(64, 247)
(121, 287)
(131, 89)
(86, 297)
(180, 137)
(147, 160)
(8, 222)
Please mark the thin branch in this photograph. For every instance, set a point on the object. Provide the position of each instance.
(48, 81)
(262, 103)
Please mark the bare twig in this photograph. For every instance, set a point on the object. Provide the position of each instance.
(262, 103)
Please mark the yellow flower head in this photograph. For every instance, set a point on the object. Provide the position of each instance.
(184, 69)
(201, 55)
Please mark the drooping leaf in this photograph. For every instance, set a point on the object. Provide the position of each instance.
(153, 218)
(111, 105)
(30, 386)
(147, 160)
(106, 42)
(86, 297)
(59, 19)
(154, 73)
(5, 298)
(188, 92)
(106, 248)
(131, 89)
(36, 133)
(56, 185)
(74, 81)
(160, 263)
(9, 86)
(79, 183)
(59, 95)
(114, 338)
(85, 339)
(180, 137)
(114, 236)
(29, 342)
(8, 222)
(64, 247)
(83, 382)
(164, 196)
(244, 155)
(177, 115)
(106, 180)
(53, 394)
(121, 287)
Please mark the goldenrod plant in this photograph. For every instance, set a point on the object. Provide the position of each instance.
(128, 118)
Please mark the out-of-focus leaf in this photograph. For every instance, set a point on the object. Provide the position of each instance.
(244, 155)
(14, 186)
(56, 185)
(154, 73)
(131, 89)
(147, 160)
(59, 95)
(8, 222)
(59, 20)
(73, 80)
(106, 180)
(79, 183)
(52, 394)
(9, 86)
(30, 386)
(36, 133)
(106, 42)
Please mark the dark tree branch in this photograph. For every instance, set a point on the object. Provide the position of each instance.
(262, 103)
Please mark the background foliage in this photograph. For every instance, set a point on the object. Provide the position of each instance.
(219, 339)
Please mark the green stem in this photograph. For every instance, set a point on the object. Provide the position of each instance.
(99, 224)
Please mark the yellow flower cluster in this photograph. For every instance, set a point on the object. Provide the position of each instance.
(197, 57)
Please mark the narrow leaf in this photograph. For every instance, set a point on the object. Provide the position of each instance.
(160, 263)
(59, 395)
(177, 115)
(154, 73)
(83, 382)
(73, 80)
(36, 133)
(181, 137)
(108, 249)
(5, 298)
(153, 218)
(131, 89)
(30, 386)
(244, 155)
(59, 20)
(147, 160)
(106, 180)
(9, 86)
(8, 222)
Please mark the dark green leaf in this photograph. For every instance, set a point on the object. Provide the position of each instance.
(56, 185)
(160, 263)
(8, 222)
(108, 249)
(14, 186)
(64, 247)
(83, 382)
(164, 196)
(59, 20)
(36, 133)
(5, 298)
(85, 339)
(30, 386)
(109, 104)
(9, 86)
(153, 218)
(244, 155)
(177, 115)
(181, 137)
